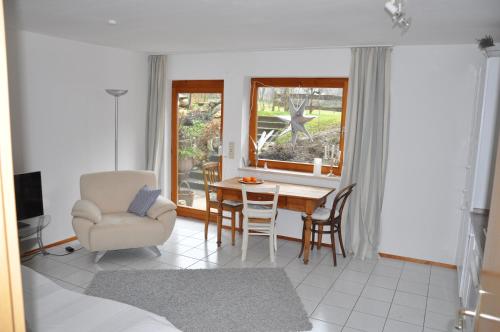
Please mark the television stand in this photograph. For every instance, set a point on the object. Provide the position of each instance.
(33, 226)
(21, 224)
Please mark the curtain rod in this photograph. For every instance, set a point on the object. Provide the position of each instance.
(363, 46)
(268, 49)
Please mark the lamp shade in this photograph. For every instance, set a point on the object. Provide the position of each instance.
(116, 92)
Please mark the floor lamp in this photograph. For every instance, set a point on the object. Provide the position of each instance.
(116, 93)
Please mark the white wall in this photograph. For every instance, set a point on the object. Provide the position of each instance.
(63, 120)
(432, 105)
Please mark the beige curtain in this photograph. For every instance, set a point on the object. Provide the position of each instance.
(155, 129)
(365, 148)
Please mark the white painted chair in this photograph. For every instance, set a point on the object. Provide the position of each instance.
(259, 216)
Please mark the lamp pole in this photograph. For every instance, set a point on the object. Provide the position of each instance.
(116, 93)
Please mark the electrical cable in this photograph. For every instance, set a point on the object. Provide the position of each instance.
(48, 254)
(66, 254)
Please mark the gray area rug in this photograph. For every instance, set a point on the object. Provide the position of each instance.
(253, 299)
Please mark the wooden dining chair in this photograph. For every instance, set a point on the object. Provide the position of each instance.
(260, 206)
(210, 176)
(330, 218)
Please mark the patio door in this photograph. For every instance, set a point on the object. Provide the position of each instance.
(197, 108)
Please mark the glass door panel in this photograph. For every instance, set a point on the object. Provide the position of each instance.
(199, 124)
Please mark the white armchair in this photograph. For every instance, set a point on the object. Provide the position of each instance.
(101, 221)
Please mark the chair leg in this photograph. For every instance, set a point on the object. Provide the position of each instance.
(240, 218)
(271, 245)
(303, 234)
(313, 231)
(233, 226)
(207, 221)
(320, 236)
(155, 250)
(98, 255)
(244, 244)
(334, 251)
(339, 233)
(275, 239)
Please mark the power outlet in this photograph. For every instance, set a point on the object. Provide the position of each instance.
(231, 150)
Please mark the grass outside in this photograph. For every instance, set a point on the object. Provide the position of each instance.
(325, 120)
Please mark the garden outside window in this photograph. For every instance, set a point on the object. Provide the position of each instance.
(294, 120)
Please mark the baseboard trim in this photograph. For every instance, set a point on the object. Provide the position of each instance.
(283, 237)
(381, 254)
(55, 244)
(418, 260)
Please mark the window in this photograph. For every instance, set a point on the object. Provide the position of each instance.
(294, 120)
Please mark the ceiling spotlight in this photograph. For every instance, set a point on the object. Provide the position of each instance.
(396, 10)
(112, 22)
(393, 8)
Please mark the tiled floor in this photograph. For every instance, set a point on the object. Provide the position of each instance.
(372, 296)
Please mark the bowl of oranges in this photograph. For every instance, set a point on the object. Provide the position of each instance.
(250, 180)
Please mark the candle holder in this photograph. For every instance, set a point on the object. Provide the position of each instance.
(332, 162)
(317, 166)
(333, 153)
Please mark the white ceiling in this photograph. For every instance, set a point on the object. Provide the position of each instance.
(174, 26)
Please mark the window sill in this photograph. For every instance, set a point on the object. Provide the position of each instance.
(292, 174)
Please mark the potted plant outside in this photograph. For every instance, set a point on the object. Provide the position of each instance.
(187, 156)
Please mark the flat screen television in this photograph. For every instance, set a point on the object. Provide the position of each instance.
(29, 202)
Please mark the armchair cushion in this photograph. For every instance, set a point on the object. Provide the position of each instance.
(143, 200)
(160, 206)
(87, 210)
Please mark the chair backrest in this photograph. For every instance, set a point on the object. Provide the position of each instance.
(340, 200)
(114, 191)
(210, 176)
(262, 202)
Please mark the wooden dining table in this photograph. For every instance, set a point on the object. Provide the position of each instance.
(295, 197)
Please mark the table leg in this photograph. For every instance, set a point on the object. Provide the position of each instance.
(39, 236)
(307, 238)
(219, 218)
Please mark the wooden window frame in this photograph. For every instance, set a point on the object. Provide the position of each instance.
(291, 82)
(190, 86)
